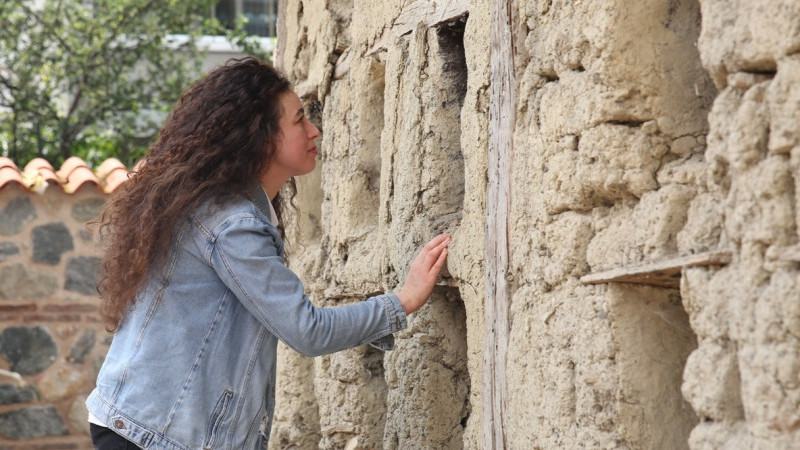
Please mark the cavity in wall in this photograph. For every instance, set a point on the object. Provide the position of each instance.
(427, 374)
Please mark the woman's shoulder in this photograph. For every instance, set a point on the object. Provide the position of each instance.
(219, 213)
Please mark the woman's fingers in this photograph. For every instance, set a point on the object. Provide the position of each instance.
(432, 254)
(437, 267)
(423, 273)
(435, 241)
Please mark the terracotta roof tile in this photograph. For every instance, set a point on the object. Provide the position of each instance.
(108, 166)
(112, 173)
(6, 162)
(39, 164)
(69, 166)
(79, 176)
(38, 175)
(112, 181)
(10, 175)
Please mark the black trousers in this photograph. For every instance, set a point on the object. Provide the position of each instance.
(105, 439)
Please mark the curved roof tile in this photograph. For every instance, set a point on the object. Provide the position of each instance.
(7, 162)
(39, 164)
(38, 175)
(69, 166)
(78, 177)
(108, 166)
(116, 177)
(10, 175)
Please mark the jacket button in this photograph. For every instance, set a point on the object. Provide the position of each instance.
(119, 425)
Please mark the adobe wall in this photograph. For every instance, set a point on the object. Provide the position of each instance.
(643, 132)
(744, 378)
(52, 341)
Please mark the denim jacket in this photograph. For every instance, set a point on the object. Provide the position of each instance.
(193, 364)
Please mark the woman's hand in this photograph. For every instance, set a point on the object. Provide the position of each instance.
(423, 273)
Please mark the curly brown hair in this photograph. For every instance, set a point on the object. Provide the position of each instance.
(218, 140)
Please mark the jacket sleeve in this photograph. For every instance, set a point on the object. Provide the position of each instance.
(245, 256)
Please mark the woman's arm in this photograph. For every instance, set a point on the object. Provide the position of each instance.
(246, 259)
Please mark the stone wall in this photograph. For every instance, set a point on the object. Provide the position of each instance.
(643, 133)
(52, 341)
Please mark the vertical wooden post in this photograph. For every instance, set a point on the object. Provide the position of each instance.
(280, 38)
(502, 117)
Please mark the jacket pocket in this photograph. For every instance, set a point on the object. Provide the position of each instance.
(215, 419)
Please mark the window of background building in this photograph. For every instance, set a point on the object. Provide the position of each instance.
(262, 15)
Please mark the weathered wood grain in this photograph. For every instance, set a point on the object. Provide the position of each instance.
(502, 117)
(430, 13)
(662, 273)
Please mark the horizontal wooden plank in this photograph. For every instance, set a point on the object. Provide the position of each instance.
(448, 282)
(662, 273)
(428, 12)
(431, 13)
(342, 65)
(791, 253)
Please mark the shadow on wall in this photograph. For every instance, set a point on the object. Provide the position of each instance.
(653, 340)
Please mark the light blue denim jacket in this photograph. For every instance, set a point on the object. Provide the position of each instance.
(193, 364)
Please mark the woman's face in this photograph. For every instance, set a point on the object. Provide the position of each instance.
(296, 153)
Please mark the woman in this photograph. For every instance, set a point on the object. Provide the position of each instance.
(195, 285)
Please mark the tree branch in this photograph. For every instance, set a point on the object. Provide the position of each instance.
(46, 26)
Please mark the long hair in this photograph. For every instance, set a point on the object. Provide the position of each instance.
(218, 140)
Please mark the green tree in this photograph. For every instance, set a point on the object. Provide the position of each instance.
(95, 78)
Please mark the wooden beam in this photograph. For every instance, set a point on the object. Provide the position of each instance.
(280, 44)
(428, 12)
(663, 273)
(447, 282)
(502, 118)
(790, 253)
(342, 65)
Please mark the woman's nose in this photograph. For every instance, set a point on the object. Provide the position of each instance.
(313, 132)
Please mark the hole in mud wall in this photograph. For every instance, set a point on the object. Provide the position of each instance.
(450, 40)
(451, 79)
(428, 377)
(372, 127)
(451, 50)
(653, 340)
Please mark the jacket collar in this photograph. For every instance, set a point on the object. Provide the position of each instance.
(259, 198)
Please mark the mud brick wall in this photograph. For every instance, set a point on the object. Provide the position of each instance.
(641, 134)
(52, 342)
(744, 378)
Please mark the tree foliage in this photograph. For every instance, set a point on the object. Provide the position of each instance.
(94, 78)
